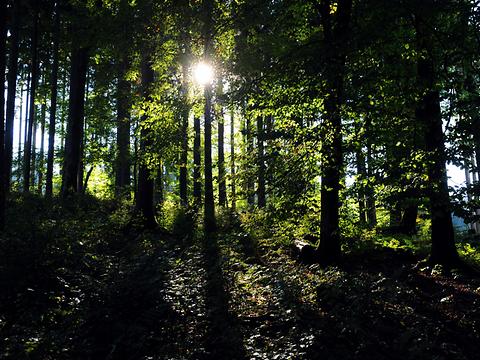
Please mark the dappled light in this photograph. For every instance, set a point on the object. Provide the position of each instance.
(233, 180)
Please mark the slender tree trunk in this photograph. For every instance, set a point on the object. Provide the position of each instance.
(76, 109)
(369, 191)
(361, 175)
(3, 57)
(250, 188)
(62, 118)
(335, 38)
(209, 203)
(19, 149)
(183, 180)
(145, 191)
(209, 206)
(12, 92)
(41, 160)
(33, 173)
(197, 163)
(429, 115)
(83, 142)
(222, 187)
(122, 176)
(31, 121)
(53, 105)
(159, 197)
(232, 160)
(261, 164)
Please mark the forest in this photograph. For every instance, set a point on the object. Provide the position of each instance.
(240, 179)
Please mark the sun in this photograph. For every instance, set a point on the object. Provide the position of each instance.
(203, 73)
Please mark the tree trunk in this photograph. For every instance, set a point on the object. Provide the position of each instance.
(145, 191)
(122, 176)
(232, 160)
(159, 198)
(369, 191)
(19, 153)
(222, 186)
(197, 184)
(12, 92)
(335, 39)
(209, 206)
(183, 180)
(261, 164)
(250, 186)
(41, 160)
(76, 108)
(3, 57)
(31, 121)
(53, 105)
(361, 176)
(429, 115)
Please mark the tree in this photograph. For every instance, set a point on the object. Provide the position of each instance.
(76, 108)
(429, 115)
(336, 34)
(12, 90)
(53, 104)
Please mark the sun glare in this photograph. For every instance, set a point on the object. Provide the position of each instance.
(203, 73)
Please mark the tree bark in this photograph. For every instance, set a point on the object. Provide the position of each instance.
(12, 92)
(145, 191)
(428, 114)
(76, 109)
(53, 105)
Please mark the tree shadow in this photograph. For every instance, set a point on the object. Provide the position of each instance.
(224, 337)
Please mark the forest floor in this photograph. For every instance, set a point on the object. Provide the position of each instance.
(78, 283)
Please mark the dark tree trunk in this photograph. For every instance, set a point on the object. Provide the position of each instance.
(209, 202)
(429, 115)
(122, 176)
(361, 176)
(335, 39)
(369, 191)
(209, 205)
(159, 185)
(222, 186)
(145, 191)
(261, 164)
(197, 184)
(183, 179)
(408, 224)
(232, 160)
(76, 109)
(83, 142)
(87, 177)
(19, 153)
(31, 121)
(3, 58)
(41, 161)
(250, 185)
(53, 106)
(12, 92)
